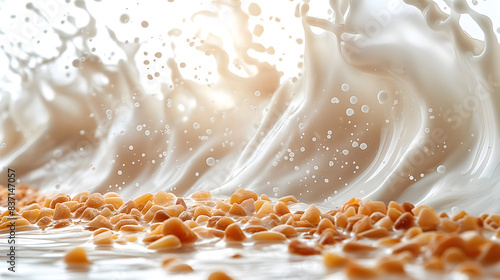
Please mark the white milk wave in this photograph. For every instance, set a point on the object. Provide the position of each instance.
(383, 100)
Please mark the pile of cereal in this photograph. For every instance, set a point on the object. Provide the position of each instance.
(395, 236)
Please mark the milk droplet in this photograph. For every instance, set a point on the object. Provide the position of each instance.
(131, 147)
(144, 24)
(363, 146)
(441, 169)
(382, 96)
(301, 125)
(365, 109)
(139, 127)
(353, 100)
(210, 161)
(196, 125)
(335, 100)
(349, 112)
(345, 87)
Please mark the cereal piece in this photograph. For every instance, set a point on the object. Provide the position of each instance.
(268, 236)
(390, 264)
(394, 214)
(132, 228)
(254, 229)
(31, 215)
(117, 202)
(201, 195)
(324, 224)
(95, 200)
(312, 215)
(218, 212)
(237, 210)
(104, 238)
(100, 222)
(454, 255)
(186, 216)
(81, 197)
(201, 210)
(332, 260)
(136, 214)
(350, 211)
(355, 247)
(473, 242)
(89, 214)
(446, 242)
(354, 270)
(142, 200)
(219, 275)
(265, 209)
(62, 212)
(341, 220)
(327, 237)
(167, 242)
(180, 201)
(223, 223)
(44, 221)
(152, 238)
(45, 212)
(386, 222)
(362, 225)
(152, 212)
(405, 221)
(179, 267)
(127, 207)
(124, 222)
(434, 263)
(191, 224)
(216, 232)
(72, 205)
(59, 199)
(472, 269)
(289, 199)
(407, 206)
(447, 225)
(248, 205)
(396, 206)
(458, 216)
(412, 247)
(287, 230)
(131, 238)
(174, 210)
(469, 222)
(176, 227)
(162, 198)
(211, 222)
(233, 232)
(412, 232)
(62, 223)
(299, 248)
(376, 216)
(146, 207)
(389, 241)
(223, 206)
(281, 209)
(375, 233)
(240, 195)
(98, 231)
(77, 256)
(490, 253)
(369, 207)
(110, 194)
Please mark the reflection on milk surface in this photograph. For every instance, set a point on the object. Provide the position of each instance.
(385, 100)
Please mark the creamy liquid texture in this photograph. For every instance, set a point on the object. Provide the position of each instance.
(384, 100)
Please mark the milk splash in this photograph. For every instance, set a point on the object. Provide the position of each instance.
(393, 100)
